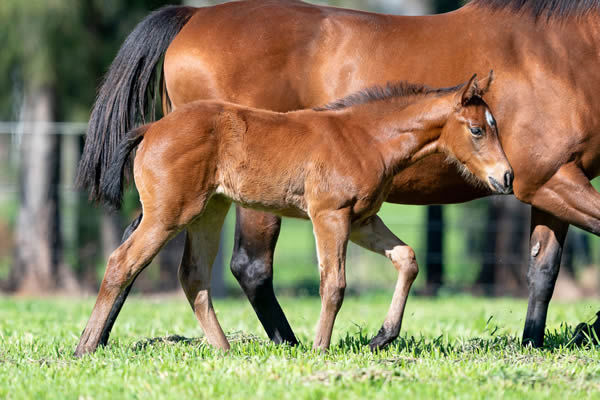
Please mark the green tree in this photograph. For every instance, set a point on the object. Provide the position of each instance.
(55, 53)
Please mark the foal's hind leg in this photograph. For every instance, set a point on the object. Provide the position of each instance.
(116, 309)
(375, 236)
(201, 247)
(124, 265)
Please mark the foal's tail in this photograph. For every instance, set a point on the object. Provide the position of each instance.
(124, 98)
(111, 186)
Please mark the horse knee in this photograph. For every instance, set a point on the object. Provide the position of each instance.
(405, 261)
(252, 274)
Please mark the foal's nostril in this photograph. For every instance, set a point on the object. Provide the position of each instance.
(508, 179)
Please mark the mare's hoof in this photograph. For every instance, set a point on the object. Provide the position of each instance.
(586, 333)
(530, 342)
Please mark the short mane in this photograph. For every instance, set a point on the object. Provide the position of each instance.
(391, 90)
(544, 8)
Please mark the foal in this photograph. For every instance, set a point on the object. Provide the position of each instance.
(333, 165)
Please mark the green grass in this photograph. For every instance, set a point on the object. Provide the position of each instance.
(454, 347)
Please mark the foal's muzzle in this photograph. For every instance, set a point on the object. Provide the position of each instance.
(505, 187)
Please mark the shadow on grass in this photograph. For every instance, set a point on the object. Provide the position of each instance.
(234, 338)
(404, 349)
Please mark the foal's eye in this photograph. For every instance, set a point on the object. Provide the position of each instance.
(476, 131)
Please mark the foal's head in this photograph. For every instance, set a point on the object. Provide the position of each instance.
(470, 138)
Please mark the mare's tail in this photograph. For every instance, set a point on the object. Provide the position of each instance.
(111, 186)
(124, 99)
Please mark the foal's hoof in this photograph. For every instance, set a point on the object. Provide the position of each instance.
(382, 340)
(82, 350)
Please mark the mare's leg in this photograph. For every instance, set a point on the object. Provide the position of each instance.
(331, 230)
(256, 234)
(201, 247)
(116, 309)
(567, 195)
(547, 238)
(124, 265)
(375, 236)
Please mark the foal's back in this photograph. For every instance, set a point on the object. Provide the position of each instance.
(258, 158)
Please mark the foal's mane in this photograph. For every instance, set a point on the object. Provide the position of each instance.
(389, 91)
(544, 8)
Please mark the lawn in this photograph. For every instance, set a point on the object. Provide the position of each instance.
(450, 347)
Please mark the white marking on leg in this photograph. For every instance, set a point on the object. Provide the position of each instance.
(535, 250)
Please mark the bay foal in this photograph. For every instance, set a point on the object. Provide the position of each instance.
(334, 165)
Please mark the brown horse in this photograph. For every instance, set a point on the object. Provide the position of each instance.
(334, 165)
(287, 55)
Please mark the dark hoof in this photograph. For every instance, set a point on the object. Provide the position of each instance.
(533, 333)
(289, 340)
(531, 342)
(586, 333)
(382, 340)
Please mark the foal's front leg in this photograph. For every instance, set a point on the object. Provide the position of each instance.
(331, 229)
(375, 236)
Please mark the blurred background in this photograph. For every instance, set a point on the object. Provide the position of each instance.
(52, 240)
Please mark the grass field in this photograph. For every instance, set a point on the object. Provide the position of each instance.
(458, 347)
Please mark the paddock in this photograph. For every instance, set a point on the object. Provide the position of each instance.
(465, 332)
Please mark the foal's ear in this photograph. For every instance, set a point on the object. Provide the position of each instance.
(470, 90)
(485, 83)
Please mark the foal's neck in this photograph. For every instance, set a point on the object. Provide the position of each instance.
(406, 135)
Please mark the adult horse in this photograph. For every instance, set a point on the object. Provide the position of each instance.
(287, 55)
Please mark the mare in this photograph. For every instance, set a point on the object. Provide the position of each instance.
(334, 165)
(285, 55)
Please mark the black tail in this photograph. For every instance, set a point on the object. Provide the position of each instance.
(123, 99)
(111, 186)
